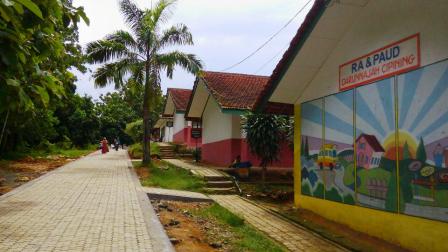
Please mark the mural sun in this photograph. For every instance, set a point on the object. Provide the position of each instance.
(405, 141)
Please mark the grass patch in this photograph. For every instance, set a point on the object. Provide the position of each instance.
(164, 175)
(136, 150)
(249, 239)
(68, 153)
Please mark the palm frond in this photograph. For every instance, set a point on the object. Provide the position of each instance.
(114, 72)
(101, 51)
(159, 14)
(125, 38)
(188, 62)
(176, 35)
(132, 14)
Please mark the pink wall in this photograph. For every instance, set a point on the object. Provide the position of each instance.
(286, 157)
(222, 153)
(184, 137)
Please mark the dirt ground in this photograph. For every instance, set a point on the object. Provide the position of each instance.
(189, 232)
(16, 173)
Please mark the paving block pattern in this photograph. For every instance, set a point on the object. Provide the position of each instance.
(293, 237)
(92, 204)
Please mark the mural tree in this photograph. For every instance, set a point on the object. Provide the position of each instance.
(406, 151)
(421, 152)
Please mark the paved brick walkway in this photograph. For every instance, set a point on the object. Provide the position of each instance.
(198, 170)
(92, 204)
(294, 237)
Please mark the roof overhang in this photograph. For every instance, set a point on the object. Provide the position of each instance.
(162, 122)
(198, 100)
(319, 34)
(169, 109)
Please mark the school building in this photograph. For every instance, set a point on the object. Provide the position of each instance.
(176, 128)
(368, 80)
(218, 101)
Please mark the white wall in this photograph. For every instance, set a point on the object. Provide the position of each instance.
(178, 122)
(380, 24)
(217, 126)
(168, 134)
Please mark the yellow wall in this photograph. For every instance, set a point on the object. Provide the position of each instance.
(410, 232)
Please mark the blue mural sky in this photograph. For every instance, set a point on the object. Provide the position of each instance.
(423, 108)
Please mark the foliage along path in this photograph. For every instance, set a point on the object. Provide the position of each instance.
(95, 203)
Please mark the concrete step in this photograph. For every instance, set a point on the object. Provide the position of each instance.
(220, 184)
(216, 178)
(229, 190)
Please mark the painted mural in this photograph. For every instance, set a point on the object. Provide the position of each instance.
(423, 141)
(312, 141)
(376, 168)
(336, 156)
(417, 141)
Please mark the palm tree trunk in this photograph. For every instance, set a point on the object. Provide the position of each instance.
(146, 117)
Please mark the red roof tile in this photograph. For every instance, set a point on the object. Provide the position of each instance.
(234, 90)
(180, 97)
(372, 141)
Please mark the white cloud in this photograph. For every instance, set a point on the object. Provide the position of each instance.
(224, 32)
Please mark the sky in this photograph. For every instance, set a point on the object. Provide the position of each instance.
(224, 32)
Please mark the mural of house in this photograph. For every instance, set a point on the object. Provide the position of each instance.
(368, 151)
(176, 128)
(372, 74)
(219, 100)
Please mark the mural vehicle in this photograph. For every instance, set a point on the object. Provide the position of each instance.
(327, 156)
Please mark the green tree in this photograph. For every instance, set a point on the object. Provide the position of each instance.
(264, 133)
(142, 54)
(78, 121)
(421, 152)
(39, 44)
(114, 114)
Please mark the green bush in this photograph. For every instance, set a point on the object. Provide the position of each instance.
(65, 144)
(136, 150)
(135, 130)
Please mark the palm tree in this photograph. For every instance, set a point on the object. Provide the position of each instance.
(142, 54)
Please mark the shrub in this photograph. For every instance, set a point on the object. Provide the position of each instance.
(135, 130)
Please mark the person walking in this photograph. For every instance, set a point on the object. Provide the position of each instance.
(117, 143)
(104, 146)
